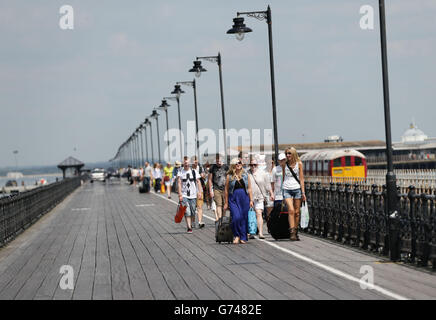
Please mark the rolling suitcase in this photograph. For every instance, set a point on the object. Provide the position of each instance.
(145, 186)
(224, 232)
(278, 223)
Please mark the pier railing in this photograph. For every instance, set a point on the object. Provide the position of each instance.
(21, 211)
(357, 217)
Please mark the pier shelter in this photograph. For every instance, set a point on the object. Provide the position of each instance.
(73, 163)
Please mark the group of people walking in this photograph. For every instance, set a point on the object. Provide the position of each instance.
(239, 187)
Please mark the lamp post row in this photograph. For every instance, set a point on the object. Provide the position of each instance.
(239, 29)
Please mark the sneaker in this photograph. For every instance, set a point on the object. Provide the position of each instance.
(201, 225)
(251, 236)
(189, 230)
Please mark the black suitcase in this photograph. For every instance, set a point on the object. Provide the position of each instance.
(224, 231)
(144, 187)
(278, 223)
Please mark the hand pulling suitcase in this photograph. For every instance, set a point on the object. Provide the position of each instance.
(278, 223)
(224, 232)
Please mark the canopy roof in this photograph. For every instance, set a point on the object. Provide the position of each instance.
(71, 162)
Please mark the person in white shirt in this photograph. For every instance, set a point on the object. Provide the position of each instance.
(293, 189)
(189, 189)
(157, 174)
(262, 192)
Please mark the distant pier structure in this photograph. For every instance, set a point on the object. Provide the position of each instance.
(71, 163)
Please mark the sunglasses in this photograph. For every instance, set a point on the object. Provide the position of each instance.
(253, 165)
(288, 153)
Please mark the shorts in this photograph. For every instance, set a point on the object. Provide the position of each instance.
(258, 205)
(270, 204)
(191, 205)
(292, 194)
(168, 183)
(218, 196)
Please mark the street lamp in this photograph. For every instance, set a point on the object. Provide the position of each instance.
(178, 91)
(391, 186)
(145, 124)
(217, 59)
(164, 106)
(193, 85)
(155, 115)
(142, 143)
(151, 138)
(239, 29)
(15, 152)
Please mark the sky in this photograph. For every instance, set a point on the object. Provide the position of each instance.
(82, 92)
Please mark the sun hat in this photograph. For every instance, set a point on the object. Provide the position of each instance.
(178, 164)
(282, 156)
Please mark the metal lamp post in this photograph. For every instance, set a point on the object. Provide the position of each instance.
(155, 115)
(142, 142)
(145, 123)
(193, 85)
(178, 91)
(151, 139)
(391, 186)
(164, 106)
(239, 29)
(217, 59)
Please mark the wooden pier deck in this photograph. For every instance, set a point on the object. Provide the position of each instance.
(125, 245)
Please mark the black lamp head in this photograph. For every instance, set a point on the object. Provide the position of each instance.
(154, 115)
(239, 28)
(164, 105)
(197, 68)
(177, 90)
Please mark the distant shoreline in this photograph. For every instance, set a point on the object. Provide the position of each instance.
(35, 175)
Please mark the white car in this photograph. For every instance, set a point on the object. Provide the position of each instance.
(98, 175)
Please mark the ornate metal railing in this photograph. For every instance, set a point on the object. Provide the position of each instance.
(21, 211)
(357, 217)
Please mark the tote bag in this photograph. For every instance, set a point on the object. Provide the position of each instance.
(252, 221)
(304, 218)
(180, 213)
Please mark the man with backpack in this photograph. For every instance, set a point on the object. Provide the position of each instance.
(189, 188)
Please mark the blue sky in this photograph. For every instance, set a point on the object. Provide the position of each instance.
(90, 87)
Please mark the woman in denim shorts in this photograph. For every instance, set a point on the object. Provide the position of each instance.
(293, 190)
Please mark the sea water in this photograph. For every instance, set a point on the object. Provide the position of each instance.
(30, 180)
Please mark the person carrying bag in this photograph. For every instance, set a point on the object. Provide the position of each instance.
(293, 189)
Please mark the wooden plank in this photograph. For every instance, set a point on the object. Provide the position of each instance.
(138, 281)
(174, 281)
(51, 281)
(102, 289)
(119, 277)
(199, 288)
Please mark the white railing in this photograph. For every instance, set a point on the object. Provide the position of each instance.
(424, 180)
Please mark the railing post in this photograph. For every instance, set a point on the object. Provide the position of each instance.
(422, 228)
(331, 211)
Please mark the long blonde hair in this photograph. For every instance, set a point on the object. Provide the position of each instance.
(232, 172)
(294, 153)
